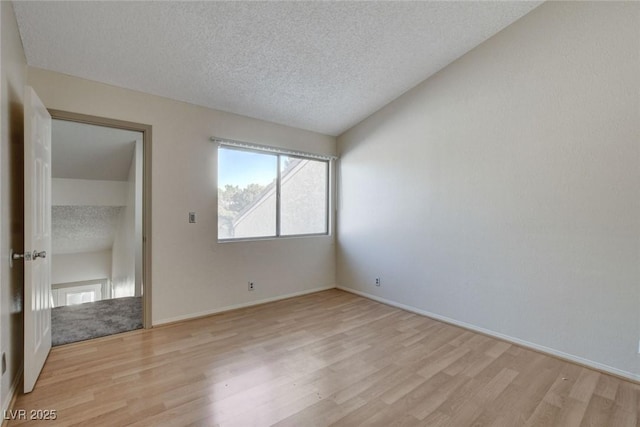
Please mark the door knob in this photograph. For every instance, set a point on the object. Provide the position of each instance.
(27, 256)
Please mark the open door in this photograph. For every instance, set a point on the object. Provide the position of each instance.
(37, 237)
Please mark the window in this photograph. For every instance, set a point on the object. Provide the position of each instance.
(271, 194)
(76, 293)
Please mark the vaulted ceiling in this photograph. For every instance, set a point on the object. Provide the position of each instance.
(321, 66)
(84, 151)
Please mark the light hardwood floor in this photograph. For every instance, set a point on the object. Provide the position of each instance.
(330, 358)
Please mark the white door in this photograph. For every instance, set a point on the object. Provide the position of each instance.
(37, 237)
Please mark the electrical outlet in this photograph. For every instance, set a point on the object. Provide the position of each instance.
(377, 281)
(192, 217)
(251, 286)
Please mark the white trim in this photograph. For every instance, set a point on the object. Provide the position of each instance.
(241, 305)
(560, 354)
(13, 390)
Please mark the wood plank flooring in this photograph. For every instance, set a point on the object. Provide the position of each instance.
(330, 358)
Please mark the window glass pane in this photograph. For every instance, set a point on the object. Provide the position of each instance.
(80, 297)
(303, 196)
(246, 194)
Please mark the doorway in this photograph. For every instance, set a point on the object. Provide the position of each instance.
(100, 282)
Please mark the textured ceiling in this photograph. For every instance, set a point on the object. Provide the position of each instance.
(322, 66)
(82, 151)
(78, 229)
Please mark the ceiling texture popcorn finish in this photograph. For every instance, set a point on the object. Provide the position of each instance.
(79, 229)
(320, 66)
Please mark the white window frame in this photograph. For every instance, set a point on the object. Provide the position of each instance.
(59, 291)
(279, 152)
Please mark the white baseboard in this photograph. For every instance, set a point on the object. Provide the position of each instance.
(241, 305)
(13, 391)
(560, 354)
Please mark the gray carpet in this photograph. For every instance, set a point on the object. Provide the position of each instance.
(95, 319)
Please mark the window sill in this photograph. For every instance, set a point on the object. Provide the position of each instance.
(273, 238)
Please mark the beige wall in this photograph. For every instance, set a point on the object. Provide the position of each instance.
(79, 267)
(192, 273)
(123, 266)
(88, 192)
(11, 212)
(303, 197)
(135, 201)
(260, 220)
(502, 193)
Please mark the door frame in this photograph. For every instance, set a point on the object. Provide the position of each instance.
(146, 193)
